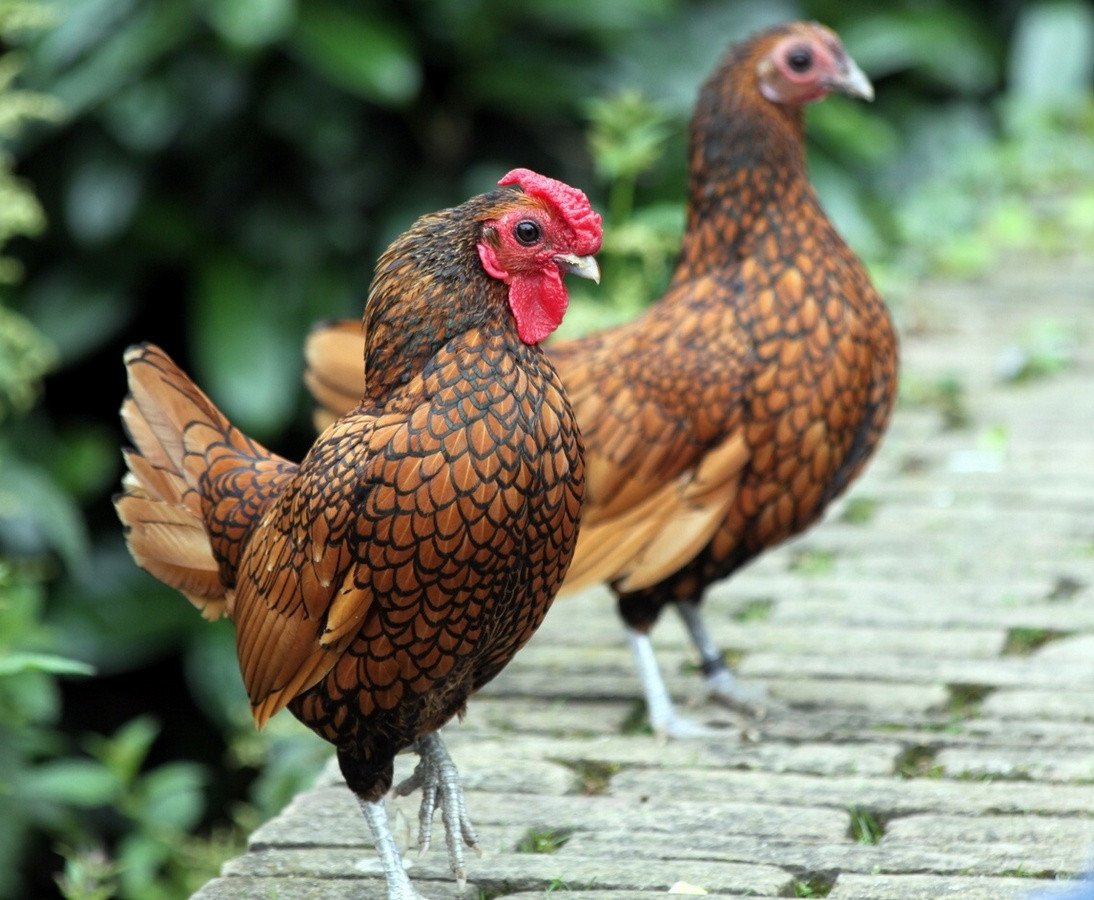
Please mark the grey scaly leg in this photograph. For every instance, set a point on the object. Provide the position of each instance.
(398, 883)
(721, 685)
(665, 721)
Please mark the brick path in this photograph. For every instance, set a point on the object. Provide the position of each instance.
(932, 646)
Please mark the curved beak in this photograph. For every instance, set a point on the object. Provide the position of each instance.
(853, 82)
(582, 266)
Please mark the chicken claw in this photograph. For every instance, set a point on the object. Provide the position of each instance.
(439, 780)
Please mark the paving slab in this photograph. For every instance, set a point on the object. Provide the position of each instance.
(930, 887)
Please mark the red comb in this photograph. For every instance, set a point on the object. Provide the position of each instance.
(571, 202)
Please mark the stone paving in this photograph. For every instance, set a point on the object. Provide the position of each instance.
(930, 648)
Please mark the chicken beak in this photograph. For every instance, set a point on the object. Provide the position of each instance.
(582, 266)
(853, 82)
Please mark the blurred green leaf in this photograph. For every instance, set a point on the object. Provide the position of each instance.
(82, 783)
(249, 364)
(140, 856)
(124, 752)
(170, 796)
(359, 50)
(36, 516)
(251, 23)
(147, 114)
(1052, 57)
(854, 129)
(627, 134)
(30, 697)
(102, 198)
(84, 461)
(75, 315)
(945, 43)
(15, 663)
(118, 617)
(25, 357)
(99, 46)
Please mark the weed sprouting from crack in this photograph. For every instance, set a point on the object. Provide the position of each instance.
(636, 721)
(594, 776)
(812, 884)
(965, 699)
(1024, 641)
(757, 609)
(866, 826)
(543, 840)
(918, 761)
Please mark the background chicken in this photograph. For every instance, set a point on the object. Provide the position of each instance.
(400, 566)
(726, 418)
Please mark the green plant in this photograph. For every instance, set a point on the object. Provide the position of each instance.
(859, 510)
(965, 699)
(544, 840)
(918, 761)
(810, 561)
(757, 609)
(594, 776)
(1024, 641)
(866, 827)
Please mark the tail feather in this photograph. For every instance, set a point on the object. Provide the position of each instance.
(170, 542)
(334, 355)
(179, 437)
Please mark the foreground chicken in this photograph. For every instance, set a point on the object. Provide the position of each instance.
(399, 567)
(726, 418)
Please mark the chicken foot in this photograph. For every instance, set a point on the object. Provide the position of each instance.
(439, 780)
(720, 683)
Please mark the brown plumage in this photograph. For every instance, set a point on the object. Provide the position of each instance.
(399, 567)
(726, 418)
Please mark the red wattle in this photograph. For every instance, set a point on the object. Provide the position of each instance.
(538, 303)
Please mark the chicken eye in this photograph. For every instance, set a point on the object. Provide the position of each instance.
(799, 59)
(527, 232)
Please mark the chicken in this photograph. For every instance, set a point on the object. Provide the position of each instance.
(727, 417)
(396, 570)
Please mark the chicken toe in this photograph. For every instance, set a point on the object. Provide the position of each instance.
(439, 781)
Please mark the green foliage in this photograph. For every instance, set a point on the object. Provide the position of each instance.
(809, 561)
(813, 886)
(24, 359)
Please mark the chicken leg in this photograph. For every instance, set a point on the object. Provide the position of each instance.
(665, 721)
(398, 883)
(720, 683)
(439, 780)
